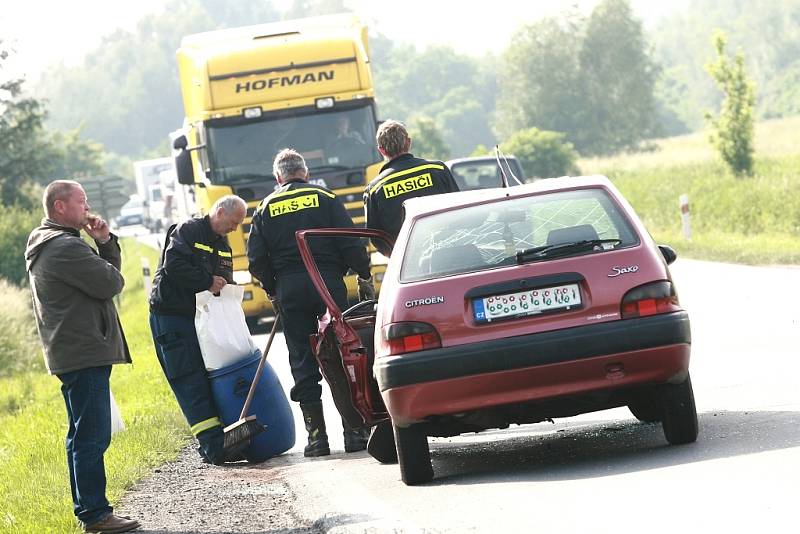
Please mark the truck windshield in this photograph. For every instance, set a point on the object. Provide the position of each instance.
(336, 140)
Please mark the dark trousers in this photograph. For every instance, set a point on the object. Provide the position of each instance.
(86, 395)
(301, 305)
(179, 355)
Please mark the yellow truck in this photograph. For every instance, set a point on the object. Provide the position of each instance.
(249, 92)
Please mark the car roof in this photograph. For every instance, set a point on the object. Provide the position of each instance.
(477, 159)
(415, 207)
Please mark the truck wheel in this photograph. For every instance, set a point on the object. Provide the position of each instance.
(680, 415)
(646, 407)
(381, 444)
(413, 455)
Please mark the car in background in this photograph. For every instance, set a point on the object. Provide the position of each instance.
(483, 172)
(132, 212)
(509, 306)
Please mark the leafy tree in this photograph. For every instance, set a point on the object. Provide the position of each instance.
(542, 154)
(126, 94)
(75, 157)
(24, 150)
(426, 139)
(592, 79)
(733, 129)
(617, 79)
(540, 82)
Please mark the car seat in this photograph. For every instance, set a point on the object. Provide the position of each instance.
(456, 258)
(486, 181)
(572, 234)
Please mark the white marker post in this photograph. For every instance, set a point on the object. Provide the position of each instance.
(686, 217)
(148, 280)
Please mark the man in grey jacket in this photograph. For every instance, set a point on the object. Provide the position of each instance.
(73, 287)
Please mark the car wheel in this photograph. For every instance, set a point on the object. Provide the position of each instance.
(413, 455)
(646, 408)
(381, 444)
(680, 414)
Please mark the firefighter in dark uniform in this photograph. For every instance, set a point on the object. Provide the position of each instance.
(196, 257)
(401, 178)
(274, 259)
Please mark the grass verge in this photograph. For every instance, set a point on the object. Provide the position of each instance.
(34, 485)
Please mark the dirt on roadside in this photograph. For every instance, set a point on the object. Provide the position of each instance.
(188, 497)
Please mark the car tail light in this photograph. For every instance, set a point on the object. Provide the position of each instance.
(402, 338)
(650, 299)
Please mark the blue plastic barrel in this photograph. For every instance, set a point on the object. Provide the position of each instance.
(230, 386)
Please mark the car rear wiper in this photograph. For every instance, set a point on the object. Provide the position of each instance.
(561, 248)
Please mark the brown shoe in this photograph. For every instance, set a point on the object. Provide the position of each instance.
(113, 523)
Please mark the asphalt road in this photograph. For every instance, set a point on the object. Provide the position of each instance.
(601, 472)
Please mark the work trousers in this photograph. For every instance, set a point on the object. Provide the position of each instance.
(180, 358)
(86, 395)
(301, 305)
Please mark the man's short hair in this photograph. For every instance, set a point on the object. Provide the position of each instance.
(288, 163)
(57, 190)
(392, 138)
(228, 204)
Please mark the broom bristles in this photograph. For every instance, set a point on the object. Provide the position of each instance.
(241, 431)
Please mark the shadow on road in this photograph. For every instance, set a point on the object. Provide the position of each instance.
(319, 526)
(608, 448)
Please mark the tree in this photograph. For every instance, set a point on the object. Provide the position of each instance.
(617, 79)
(733, 129)
(542, 154)
(426, 139)
(540, 78)
(24, 150)
(592, 79)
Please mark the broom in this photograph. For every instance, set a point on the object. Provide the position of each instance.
(248, 427)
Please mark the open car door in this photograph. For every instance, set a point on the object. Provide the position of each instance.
(343, 344)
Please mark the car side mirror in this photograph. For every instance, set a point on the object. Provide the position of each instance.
(669, 253)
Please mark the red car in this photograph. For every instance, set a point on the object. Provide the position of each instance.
(510, 305)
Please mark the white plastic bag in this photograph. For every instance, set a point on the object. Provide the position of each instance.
(221, 328)
(117, 424)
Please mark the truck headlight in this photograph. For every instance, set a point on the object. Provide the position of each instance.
(324, 103)
(242, 277)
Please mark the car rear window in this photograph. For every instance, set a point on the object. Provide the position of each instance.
(489, 235)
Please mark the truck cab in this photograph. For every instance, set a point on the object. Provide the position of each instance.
(250, 92)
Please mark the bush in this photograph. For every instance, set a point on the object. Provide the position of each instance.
(20, 349)
(15, 226)
(543, 154)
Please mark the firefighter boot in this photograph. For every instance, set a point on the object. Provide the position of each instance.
(354, 440)
(315, 426)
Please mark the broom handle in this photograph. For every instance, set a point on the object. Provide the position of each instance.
(261, 363)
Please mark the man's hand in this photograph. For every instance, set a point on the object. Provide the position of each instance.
(276, 303)
(97, 229)
(366, 289)
(217, 285)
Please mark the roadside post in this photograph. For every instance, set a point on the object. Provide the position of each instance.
(686, 217)
(147, 279)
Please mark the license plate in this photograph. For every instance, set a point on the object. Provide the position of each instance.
(524, 303)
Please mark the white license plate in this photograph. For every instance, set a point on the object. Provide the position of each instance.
(529, 302)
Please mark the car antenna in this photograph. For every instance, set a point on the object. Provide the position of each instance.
(503, 176)
(511, 172)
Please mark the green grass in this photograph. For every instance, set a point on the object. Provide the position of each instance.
(34, 487)
(752, 220)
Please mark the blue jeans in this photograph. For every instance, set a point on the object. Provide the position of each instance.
(86, 395)
(179, 354)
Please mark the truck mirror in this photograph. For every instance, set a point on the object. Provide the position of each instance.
(183, 166)
(180, 142)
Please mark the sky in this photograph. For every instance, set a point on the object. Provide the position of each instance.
(44, 32)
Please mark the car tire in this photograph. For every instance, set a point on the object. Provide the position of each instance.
(680, 414)
(414, 455)
(381, 445)
(647, 408)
